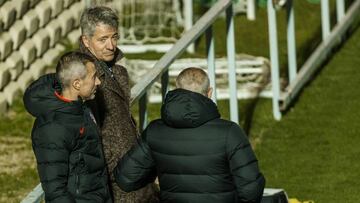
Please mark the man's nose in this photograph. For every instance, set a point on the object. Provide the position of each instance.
(110, 45)
(97, 81)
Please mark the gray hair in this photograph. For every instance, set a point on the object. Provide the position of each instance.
(72, 65)
(92, 16)
(193, 79)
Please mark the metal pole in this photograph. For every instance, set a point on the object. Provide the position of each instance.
(188, 16)
(230, 45)
(211, 60)
(164, 84)
(291, 43)
(143, 115)
(340, 9)
(325, 19)
(274, 57)
(250, 10)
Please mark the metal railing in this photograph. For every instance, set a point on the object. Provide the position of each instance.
(330, 39)
(160, 69)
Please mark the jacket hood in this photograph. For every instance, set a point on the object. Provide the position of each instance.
(187, 109)
(40, 99)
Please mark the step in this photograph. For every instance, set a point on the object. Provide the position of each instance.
(2, 2)
(1, 25)
(56, 7)
(11, 92)
(25, 79)
(21, 6)
(54, 31)
(66, 21)
(8, 14)
(42, 40)
(6, 45)
(18, 34)
(5, 76)
(77, 9)
(43, 10)
(28, 52)
(15, 64)
(3, 103)
(67, 3)
(50, 57)
(60, 47)
(37, 68)
(31, 22)
(33, 3)
(74, 36)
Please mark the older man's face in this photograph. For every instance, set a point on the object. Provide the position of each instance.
(103, 43)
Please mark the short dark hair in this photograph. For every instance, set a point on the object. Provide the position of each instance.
(193, 79)
(92, 16)
(70, 66)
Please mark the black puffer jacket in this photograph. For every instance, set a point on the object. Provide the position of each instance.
(67, 146)
(197, 156)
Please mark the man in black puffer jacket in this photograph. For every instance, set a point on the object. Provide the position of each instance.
(197, 156)
(65, 138)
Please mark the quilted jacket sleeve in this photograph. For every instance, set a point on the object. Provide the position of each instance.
(51, 147)
(244, 167)
(136, 168)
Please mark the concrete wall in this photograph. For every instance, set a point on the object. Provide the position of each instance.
(30, 32)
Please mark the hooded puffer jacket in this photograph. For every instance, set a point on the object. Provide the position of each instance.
(67, 146)
(197, 156)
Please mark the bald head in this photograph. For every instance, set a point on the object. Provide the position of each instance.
(194, 79)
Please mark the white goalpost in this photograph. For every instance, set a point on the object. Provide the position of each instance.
(150, 25)
(155, 25)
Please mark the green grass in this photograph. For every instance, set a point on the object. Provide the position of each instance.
(311, 153)
(17, 163)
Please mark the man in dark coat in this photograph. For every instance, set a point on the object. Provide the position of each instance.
(65, 138)
(111, 107)
(197, 156)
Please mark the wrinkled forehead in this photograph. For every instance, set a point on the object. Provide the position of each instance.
(102, 29)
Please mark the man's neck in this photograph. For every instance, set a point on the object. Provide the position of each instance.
(70, 95)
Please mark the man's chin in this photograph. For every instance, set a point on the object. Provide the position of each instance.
(90, 97)
(108, 58)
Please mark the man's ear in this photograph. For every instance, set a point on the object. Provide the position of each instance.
(86, 41)
(76, 84)
(209, 93)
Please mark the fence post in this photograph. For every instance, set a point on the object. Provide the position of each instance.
(291, 43)
(340, 9)
(164, 84)
(230, 45)
(250, 9)
(274, 58)
(188, 14)
(143, 114)
(325, 19)
(211, 60)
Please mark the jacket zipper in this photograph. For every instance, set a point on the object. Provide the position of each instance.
(77, 182)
